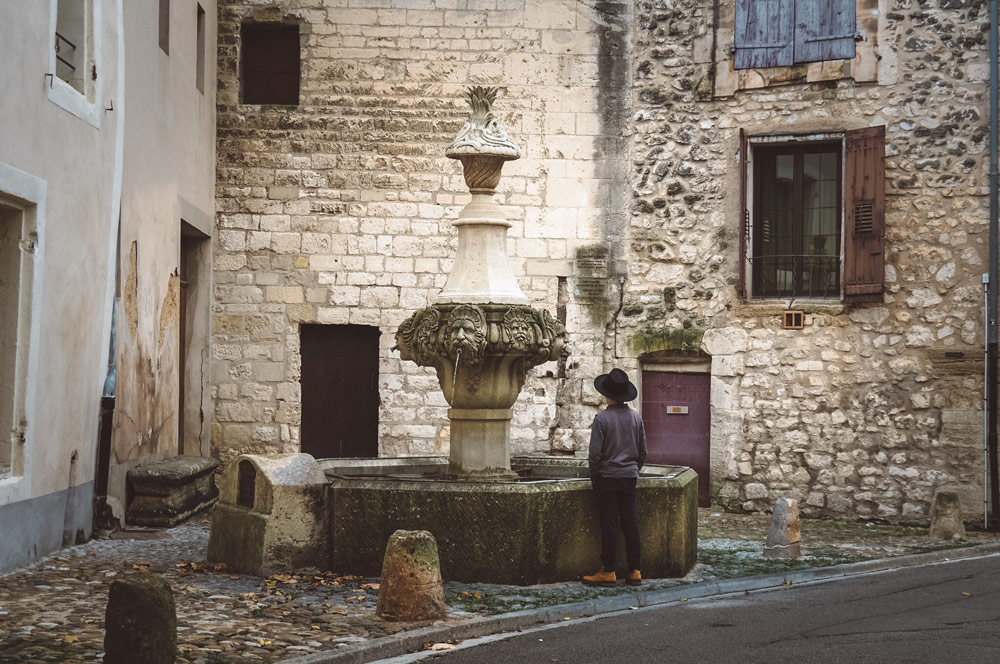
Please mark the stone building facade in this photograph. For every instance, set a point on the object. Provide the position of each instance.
(640, 218)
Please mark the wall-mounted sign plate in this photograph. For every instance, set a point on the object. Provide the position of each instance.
(676, 410)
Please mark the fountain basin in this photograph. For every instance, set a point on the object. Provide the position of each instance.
(541, 528)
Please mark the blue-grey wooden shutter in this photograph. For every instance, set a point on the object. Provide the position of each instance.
(824, 30)
(763, 34)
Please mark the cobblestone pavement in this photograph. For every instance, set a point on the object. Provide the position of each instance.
(53, 610)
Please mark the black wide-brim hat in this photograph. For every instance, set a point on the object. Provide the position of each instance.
(616, 385)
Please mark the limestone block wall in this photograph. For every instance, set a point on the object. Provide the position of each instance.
(337, 210)
(861, 412)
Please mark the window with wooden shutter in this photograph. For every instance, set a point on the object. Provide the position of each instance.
(269, 63)
(864, 205)
(824, 30)
(781, 33)
(763, 33)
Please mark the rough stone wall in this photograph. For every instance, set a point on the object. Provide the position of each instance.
(860, 413)
(337, 211)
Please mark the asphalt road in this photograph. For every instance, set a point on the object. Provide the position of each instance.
(947, 612)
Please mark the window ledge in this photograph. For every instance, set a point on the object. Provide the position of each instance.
(776, 307)
(68, 98)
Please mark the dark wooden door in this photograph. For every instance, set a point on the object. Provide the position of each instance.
(675, 410)
(340, 397)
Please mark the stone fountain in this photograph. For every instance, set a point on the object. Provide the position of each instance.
(481, 335)
(526, 522)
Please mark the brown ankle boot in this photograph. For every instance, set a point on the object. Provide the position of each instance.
(634, 578)
(601, 578)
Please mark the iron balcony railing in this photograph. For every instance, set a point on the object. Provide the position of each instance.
(796, 276)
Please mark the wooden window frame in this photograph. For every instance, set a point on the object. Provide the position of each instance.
(799, 263)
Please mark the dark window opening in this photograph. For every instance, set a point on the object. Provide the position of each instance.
(165, 26)
(269, 63)
(199, 76)
(781, 33)
(796, 220)
(246, 480)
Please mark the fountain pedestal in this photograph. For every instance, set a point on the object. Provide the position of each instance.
(480, 440)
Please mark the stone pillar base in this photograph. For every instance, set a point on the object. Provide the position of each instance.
(480, 444)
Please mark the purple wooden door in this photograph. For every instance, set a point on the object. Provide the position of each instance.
(675, 411)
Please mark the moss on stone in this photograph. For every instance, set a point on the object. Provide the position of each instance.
(651, 338)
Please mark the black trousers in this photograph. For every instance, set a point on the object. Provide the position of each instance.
(615, 498)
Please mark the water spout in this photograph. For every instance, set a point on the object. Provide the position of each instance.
(454, 376)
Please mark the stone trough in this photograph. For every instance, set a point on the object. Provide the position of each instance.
(277, 514)
(540, 529)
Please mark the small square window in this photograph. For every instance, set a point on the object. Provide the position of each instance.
(269, 63)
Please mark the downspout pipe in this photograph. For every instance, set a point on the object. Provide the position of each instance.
(993, 523)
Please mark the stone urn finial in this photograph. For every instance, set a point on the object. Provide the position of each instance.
(482, 145)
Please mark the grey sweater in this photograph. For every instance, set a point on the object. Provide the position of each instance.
(617, 442)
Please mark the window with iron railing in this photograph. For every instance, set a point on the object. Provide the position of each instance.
(812, 216)
(71, 41)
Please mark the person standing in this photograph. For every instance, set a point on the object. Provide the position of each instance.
(617, 453)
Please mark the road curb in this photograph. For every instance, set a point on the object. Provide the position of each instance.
(413, 640)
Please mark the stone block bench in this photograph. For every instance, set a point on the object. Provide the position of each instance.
(169, 491)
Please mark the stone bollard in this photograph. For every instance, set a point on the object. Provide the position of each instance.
(785, 531)
(141, 622)
(411, 588)
(946, 517)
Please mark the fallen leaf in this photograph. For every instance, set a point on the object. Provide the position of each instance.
(370, 586)
(441, 646)
(315, 626)
(191, 589)
(966, 594)
(264, 643)
(339, 613)
(71, 639)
